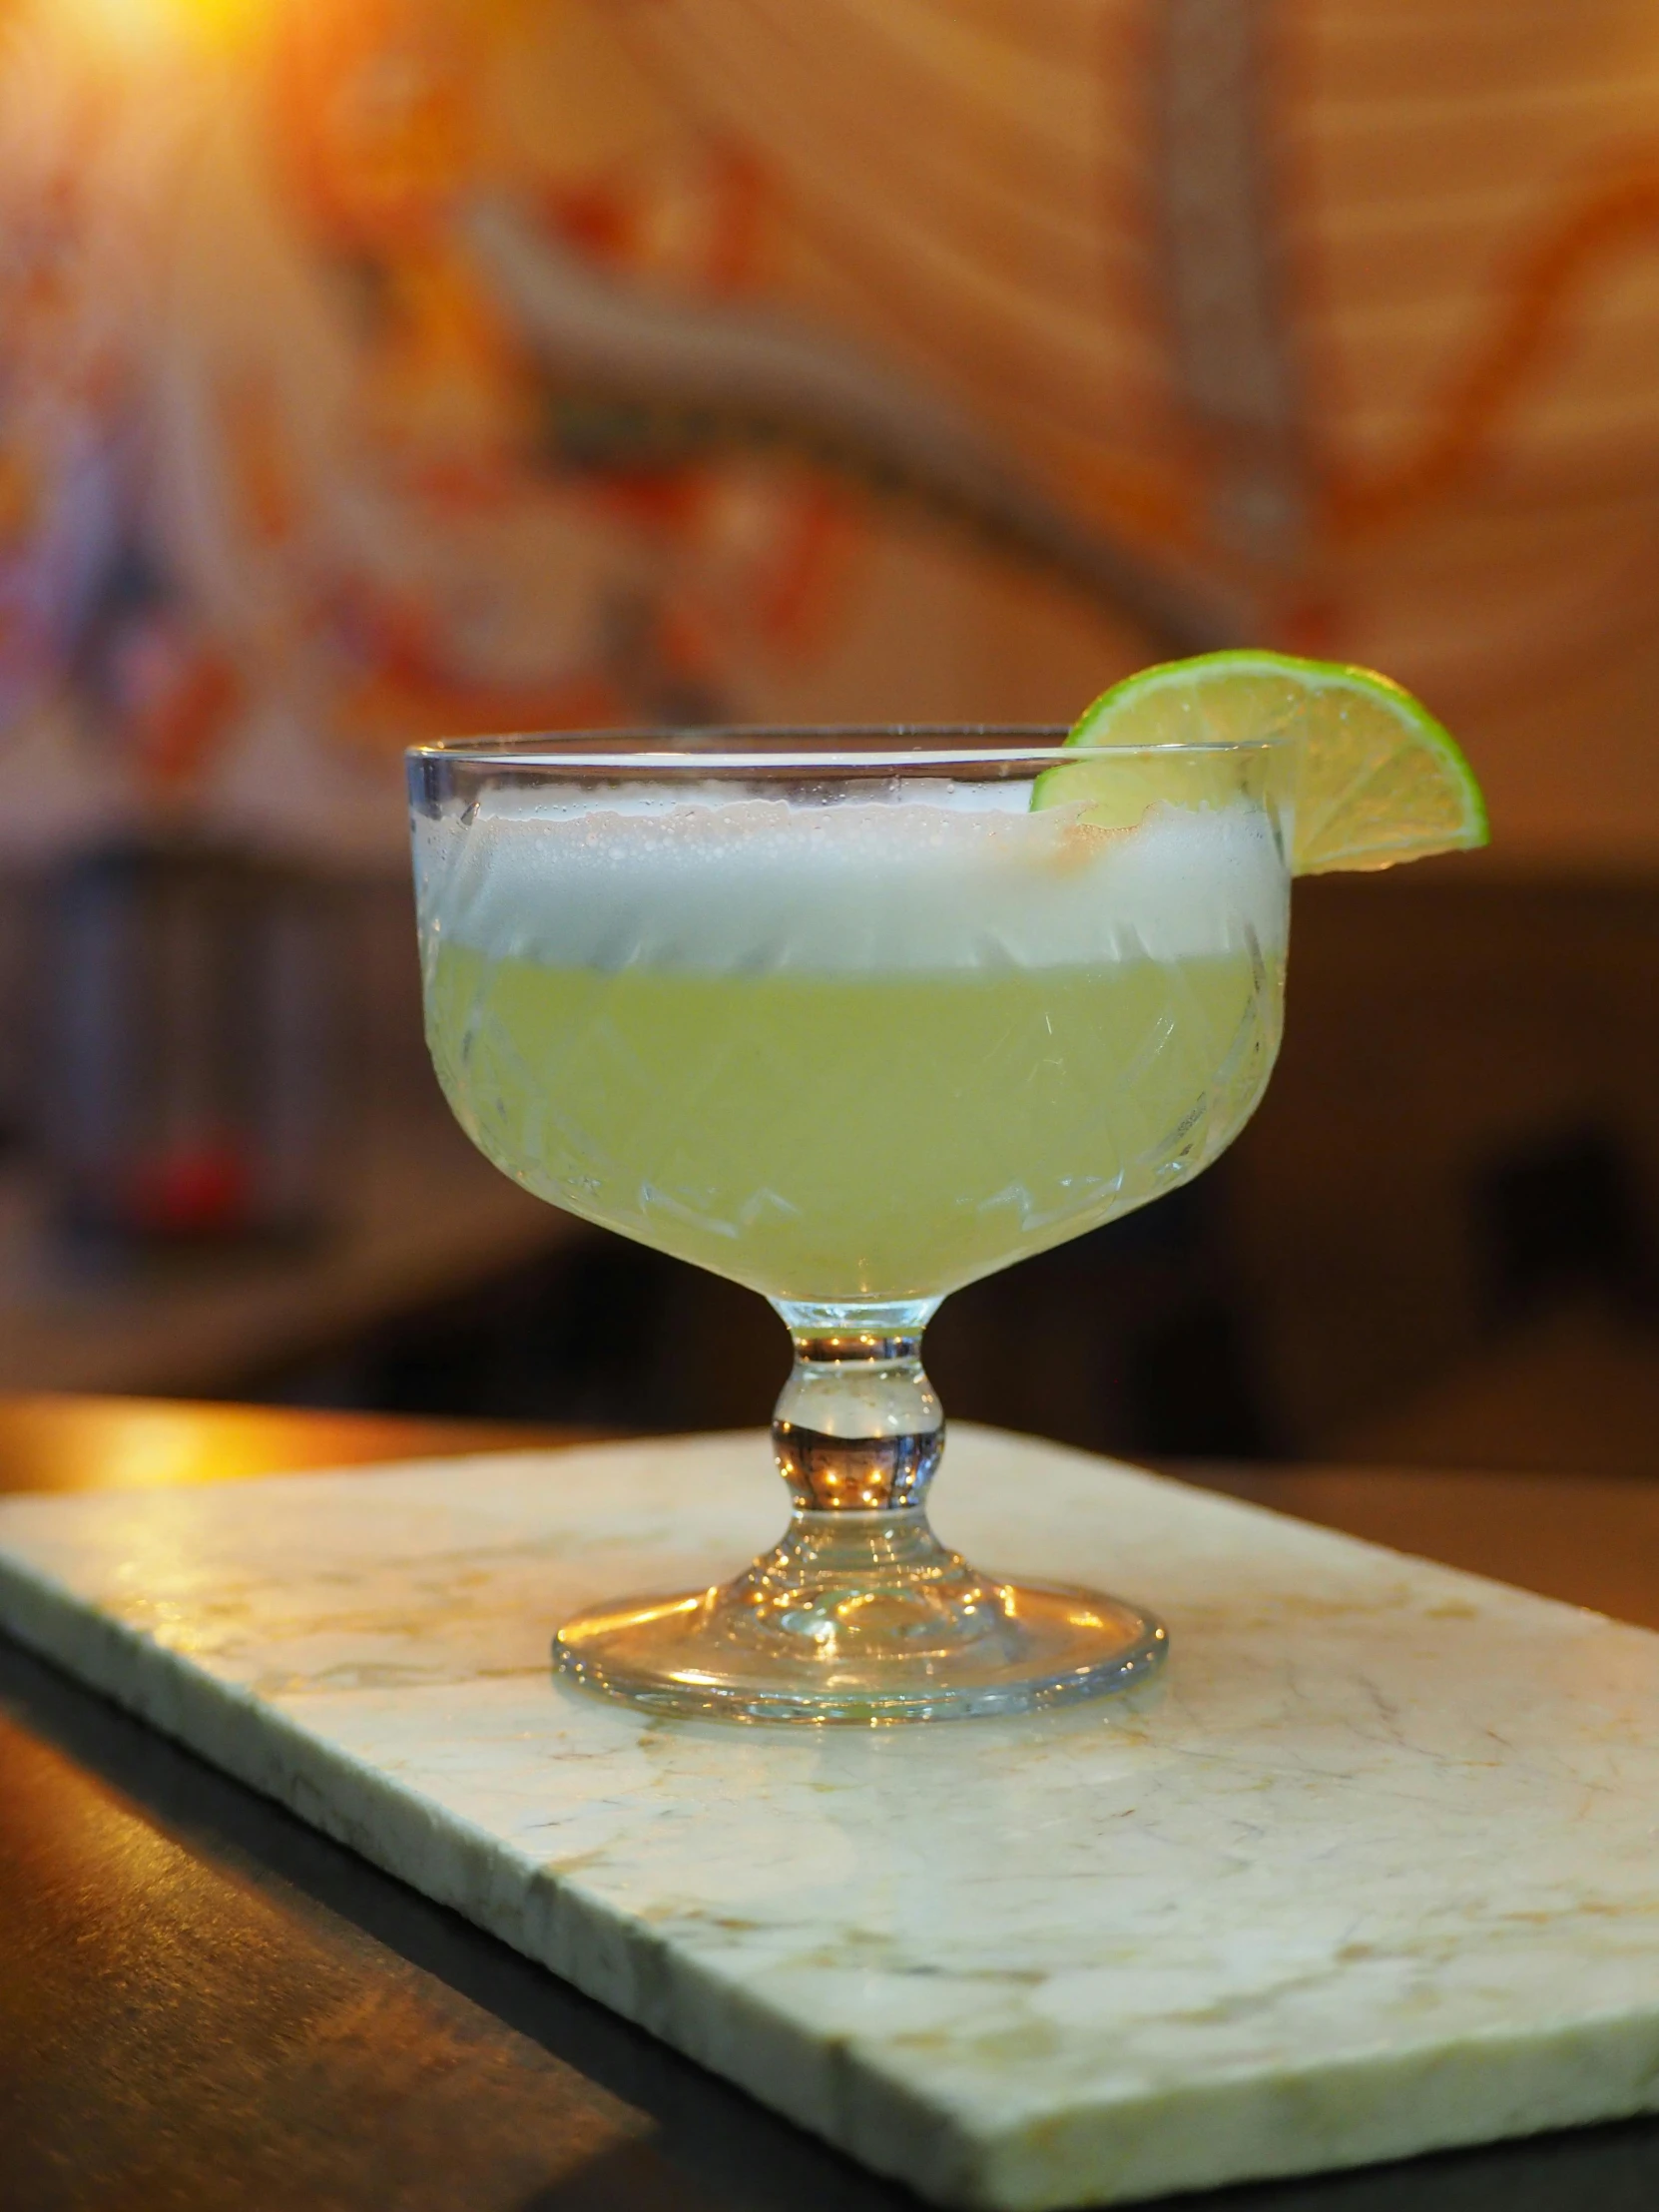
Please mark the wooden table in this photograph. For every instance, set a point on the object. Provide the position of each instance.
(204, 2004)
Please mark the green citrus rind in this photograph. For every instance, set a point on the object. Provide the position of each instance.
(1378, 778)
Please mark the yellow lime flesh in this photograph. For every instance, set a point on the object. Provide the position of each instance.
(1377, 781)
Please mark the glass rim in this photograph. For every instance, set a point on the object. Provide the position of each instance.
(739, 748)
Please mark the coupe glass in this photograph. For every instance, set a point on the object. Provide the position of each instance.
(852, 1017)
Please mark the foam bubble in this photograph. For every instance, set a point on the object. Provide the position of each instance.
(754, 884)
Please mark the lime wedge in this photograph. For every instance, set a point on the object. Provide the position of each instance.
(1378, 778)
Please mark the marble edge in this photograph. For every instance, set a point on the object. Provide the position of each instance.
(27, 1505)
(609, 1955)
(1246, 2125)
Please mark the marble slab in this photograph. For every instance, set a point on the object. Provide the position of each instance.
(1372, 1870)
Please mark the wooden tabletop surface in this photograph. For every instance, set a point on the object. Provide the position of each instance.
(204, 2004)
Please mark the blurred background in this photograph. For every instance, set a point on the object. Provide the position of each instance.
(372, 369)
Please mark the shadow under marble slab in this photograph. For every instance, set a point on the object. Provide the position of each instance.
(1370, 1872)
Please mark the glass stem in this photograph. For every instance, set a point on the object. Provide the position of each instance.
(859, 1427)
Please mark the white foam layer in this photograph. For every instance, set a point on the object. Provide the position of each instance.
(758, 884)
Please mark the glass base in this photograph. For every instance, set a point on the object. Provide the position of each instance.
(860, 1619)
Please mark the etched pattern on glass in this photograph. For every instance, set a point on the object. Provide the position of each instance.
(854, 1137)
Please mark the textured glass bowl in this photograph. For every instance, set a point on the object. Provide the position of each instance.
(852, 1018)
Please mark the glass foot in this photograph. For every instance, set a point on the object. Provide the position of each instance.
(861, 1618)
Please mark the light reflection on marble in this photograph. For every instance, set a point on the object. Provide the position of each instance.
(1373, 1870)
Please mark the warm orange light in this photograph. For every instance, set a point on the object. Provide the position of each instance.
(128, 25)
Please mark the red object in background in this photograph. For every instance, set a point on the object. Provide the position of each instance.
(202, 1192)
(192, 1088)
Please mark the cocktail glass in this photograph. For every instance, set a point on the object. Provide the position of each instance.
(852, 1017)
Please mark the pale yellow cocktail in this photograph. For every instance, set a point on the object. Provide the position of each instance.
(764, 1040)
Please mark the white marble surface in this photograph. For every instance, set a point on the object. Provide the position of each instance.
(1372, 1870)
